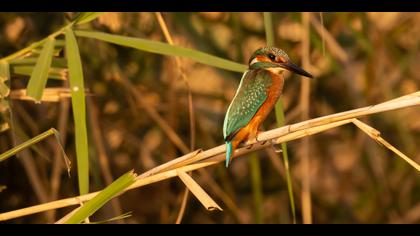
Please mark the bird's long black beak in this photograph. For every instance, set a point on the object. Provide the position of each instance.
(290, 66)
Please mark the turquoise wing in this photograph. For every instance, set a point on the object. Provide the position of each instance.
(251, 94)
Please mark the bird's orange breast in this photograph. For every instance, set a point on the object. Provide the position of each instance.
(274, 92)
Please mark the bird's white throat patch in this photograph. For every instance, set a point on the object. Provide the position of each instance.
(275, 70)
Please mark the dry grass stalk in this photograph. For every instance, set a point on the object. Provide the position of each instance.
(169, 164)
(376, 135)
(103, 158)
(35, 179)
(215, 155)
(183, 206)
(183, 76)
(57, 163)
(198, 192)
(304, 105)
(335, 48)
(49, 95)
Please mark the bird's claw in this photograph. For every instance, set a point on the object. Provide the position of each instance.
(256, 138)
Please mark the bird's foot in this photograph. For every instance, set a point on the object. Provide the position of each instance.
(256, 138)
(249, 143)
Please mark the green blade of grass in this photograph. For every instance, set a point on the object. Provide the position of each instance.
(59, 43)
(39, 75)
(268, 25)
(280, 122)
(4, 76)
(79, 109)
(102, 197)
(32, 141)
(37, 51)
(30, 61)
(165, 49)
(53, 72)
(85, 17)
(20, 134)
(256, 187)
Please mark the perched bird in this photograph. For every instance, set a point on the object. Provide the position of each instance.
(259, 90)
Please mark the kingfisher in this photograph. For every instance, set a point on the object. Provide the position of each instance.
(260, 88)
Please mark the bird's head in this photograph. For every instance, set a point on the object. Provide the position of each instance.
(275, 60)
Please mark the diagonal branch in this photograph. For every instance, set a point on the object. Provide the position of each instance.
(198, 160)
(376, 135)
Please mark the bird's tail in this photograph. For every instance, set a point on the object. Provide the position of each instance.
(229, 150)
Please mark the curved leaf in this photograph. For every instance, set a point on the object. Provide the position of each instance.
(102, 197)
(79, 109)
(85, 17)
(165, 49)
(39, 75)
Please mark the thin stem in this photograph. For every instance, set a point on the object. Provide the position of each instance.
(268, 22)
(9, 153)
(256, 187)
(304, 106)
(190, 107)
(280, 123)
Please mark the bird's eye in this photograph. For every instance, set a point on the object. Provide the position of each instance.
(271, 56)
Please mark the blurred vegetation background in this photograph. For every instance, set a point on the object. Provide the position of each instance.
(358, 59)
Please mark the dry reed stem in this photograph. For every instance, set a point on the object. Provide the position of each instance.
(26, 118)
(217, 154)
(304, 106)
(26, 158)
(335, 48)
(214, 153)
(93, 117)
(167, 165)
(49, 94)
(183, 206)
(57, 164)
(183, 76)
(376, 135)
(198, 192)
